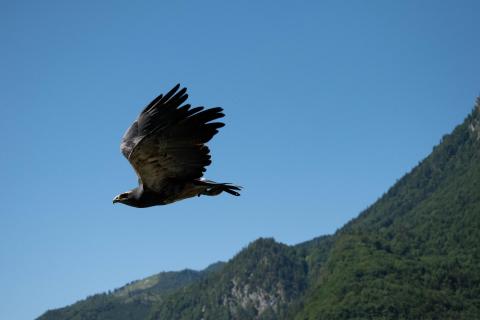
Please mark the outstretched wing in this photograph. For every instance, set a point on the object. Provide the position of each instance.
(167, 141)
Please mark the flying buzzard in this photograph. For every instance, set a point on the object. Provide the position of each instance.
(166, 148)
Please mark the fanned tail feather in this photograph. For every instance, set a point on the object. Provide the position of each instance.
(214, 188)
(232, 189)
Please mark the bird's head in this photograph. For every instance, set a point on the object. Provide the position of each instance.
(123, 197)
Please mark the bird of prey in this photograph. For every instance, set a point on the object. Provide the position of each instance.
(166, 147)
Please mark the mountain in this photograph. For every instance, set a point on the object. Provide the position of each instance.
(262, 280)
(413, 254)
(134, 300)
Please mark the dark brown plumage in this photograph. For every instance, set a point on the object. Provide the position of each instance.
(166, 147)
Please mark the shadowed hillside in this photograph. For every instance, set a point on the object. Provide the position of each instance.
(134, 300)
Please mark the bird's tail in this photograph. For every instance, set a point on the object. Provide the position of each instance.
(214, 188)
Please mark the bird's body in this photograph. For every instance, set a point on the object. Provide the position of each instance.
(166, 146)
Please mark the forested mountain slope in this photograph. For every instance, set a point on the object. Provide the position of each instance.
(415, 253)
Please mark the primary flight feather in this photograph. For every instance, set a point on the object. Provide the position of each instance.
(166, 147)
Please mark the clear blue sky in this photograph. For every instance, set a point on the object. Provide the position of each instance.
(328, 103)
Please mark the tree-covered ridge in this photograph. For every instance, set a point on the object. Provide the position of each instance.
(132, 301)
(413, 254)
(259, 282)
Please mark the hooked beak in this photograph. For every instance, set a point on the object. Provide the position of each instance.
(116, 199)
